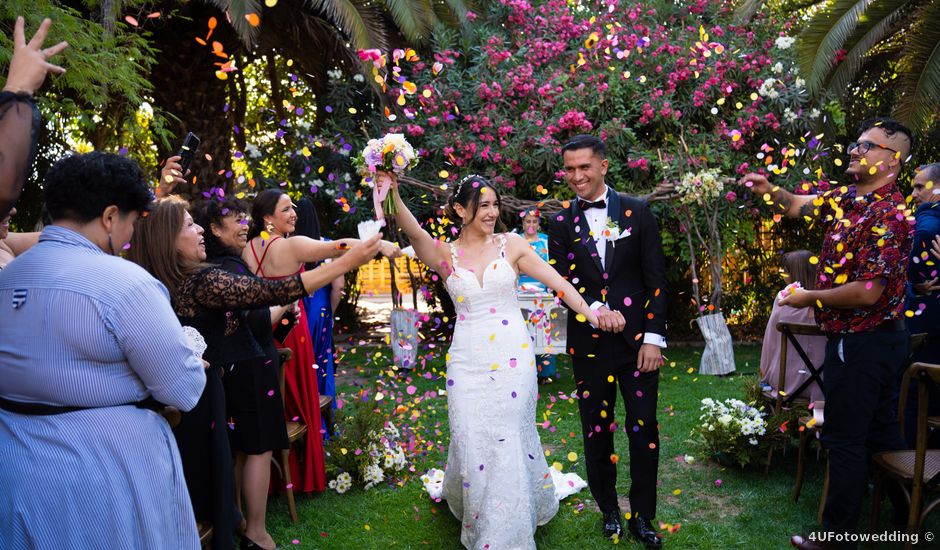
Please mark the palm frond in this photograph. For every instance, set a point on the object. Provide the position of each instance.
(458, 9)
(919, 101)
(879, 22)
(237, 10)
(826, 33)
(359, 20)
(414, 18)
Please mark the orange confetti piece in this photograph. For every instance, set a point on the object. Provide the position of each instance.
(213, 22)
(131, 21)
(153, 15)
(253, 19)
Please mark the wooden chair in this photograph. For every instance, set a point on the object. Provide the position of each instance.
(788, 333)
(296, 431)
(205, 534)
(775, 398)
(810, 428)
(915, 471)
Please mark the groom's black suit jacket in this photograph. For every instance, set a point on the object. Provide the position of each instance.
(635, 269)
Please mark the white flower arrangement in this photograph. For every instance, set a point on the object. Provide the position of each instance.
(391, 153)
(701, 188)
(373, 462)
(784, 42)
(768, 89)
(731, 428)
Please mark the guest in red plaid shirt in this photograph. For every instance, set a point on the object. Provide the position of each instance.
(859, 298)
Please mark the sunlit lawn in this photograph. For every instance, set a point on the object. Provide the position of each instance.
(709, 506)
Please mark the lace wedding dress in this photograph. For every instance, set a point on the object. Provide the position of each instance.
(497, 482)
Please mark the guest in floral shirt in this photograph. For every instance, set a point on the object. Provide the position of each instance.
(859, 299)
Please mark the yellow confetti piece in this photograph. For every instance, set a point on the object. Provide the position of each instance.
(443, 173)
(580, 317)
(270, 3)
(572, 456)
(610, 379)
(677, 492)
(352, 110)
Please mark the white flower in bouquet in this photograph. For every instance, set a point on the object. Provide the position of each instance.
(701, 188)
(725, 419)
(391, 153)
(342, 483)
(768, 88)
(391, 431)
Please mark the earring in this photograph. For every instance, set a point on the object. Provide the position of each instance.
(269, 227)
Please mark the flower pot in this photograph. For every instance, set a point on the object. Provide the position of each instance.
(718, 357)
(404, 336)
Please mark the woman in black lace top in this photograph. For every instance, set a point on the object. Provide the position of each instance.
(252, 396)
(169, 245)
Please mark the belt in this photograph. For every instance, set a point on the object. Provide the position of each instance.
(893, 325)
(41, 409)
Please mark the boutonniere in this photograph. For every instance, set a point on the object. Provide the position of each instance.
(613, 233)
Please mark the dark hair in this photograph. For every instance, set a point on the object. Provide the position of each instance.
(213, 211)
(264, 205)
(933, 172)
(796, 264)
(153, 245)
(890, 127)
(586, 141)
(308, 223)
(79, 187)
(467, 194)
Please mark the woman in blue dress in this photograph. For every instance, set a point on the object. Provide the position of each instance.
(320, 306)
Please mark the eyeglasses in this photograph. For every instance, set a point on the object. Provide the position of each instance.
(865, 146)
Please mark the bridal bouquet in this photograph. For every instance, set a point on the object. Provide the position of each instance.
(700, 188)
(731, 430)
(366, 451)
(391, 153)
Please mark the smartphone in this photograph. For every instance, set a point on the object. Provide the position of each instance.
(188, 151)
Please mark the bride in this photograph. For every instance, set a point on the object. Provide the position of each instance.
(497, 482)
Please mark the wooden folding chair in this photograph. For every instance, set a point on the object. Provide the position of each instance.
(296, 431)
(917, 471)
(775, 397)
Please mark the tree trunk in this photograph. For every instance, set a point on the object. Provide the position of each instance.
(186, 87)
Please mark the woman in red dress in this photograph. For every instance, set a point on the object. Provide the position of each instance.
(270, 254)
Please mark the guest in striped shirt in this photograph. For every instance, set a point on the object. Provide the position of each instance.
(86, 340)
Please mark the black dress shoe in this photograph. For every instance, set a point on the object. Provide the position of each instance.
(612, 524)
(642, 529)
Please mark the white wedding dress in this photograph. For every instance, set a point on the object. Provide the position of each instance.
(497, 482)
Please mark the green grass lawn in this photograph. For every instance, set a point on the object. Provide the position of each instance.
(745, 509)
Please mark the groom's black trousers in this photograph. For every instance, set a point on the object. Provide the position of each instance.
(597, 399)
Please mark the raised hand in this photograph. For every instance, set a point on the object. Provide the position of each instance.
(29, 65)
(389, 249)
(171, 175)
(756, 182)
(364, 251)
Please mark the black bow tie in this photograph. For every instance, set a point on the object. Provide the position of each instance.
(587, 205)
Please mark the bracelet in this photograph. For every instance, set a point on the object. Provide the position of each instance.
(21, 95)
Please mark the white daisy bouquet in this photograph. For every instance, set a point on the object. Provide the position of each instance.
(390, 154)
(367, 451)
(731, 430)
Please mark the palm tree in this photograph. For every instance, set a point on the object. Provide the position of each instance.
(317, 35)
(843, 38)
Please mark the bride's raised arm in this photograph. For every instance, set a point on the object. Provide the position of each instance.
(534, 266)
(432, 252)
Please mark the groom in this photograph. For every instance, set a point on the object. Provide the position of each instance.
(607, 245)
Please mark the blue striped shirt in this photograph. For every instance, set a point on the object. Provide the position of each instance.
(79, 327)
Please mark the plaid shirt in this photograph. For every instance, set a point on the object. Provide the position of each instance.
(868, 238)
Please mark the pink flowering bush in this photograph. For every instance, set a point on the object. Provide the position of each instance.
(673, 88)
